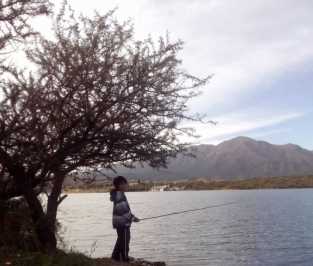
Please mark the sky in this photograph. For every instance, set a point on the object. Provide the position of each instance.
(259, 52)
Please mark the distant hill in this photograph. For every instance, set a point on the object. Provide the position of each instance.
(238, 158)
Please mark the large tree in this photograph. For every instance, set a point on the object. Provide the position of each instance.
(97, 97)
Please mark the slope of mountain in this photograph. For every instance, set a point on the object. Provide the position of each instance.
(237, 158)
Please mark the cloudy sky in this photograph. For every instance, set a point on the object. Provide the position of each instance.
(260, 52)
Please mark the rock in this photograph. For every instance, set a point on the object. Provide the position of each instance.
(133, 262)
(140, 262)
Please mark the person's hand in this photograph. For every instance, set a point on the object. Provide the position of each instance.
(136, 220)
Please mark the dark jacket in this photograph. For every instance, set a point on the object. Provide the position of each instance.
(122, 216)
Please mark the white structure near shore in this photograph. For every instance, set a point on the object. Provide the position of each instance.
(159, 188)
(164, 188)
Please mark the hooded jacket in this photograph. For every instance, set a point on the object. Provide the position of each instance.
(122, 216)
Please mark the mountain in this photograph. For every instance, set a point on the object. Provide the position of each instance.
(238, 158)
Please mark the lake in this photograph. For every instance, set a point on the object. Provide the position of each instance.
(264, 227)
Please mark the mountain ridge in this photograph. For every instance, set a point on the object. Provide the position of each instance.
(238, 158)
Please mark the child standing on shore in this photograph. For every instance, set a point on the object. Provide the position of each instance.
(122, 218)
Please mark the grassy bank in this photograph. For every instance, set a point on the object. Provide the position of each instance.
(205, 184)
(19, 245)
(62, 259)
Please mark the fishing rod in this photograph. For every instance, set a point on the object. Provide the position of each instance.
(190, 210)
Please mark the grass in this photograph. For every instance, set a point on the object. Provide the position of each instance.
(38, 259)
(19, 245)
(61, 258)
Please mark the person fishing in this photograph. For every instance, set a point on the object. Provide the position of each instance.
(122, 218)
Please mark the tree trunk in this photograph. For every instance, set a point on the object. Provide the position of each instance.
(2, 214)
(44, 227)
(46, 235)
(53, 203)
(45, 224)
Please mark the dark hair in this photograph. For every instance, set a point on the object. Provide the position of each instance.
(119, 180)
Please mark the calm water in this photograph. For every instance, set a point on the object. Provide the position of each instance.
(266, 227)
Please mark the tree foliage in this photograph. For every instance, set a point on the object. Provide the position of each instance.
(14, 18)
(98, 97)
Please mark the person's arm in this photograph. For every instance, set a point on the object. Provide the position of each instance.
(135, 219)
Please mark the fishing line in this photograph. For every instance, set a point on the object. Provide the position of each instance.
(190, 210)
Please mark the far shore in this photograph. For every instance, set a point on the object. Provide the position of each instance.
(201, 184)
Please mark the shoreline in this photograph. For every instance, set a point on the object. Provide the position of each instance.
(295, 182)
(84, 191)
(63, 258)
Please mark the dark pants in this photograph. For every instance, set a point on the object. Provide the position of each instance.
(121, 249)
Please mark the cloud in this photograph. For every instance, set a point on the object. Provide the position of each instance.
(231, 125)
(269, 133)
(243, 43)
